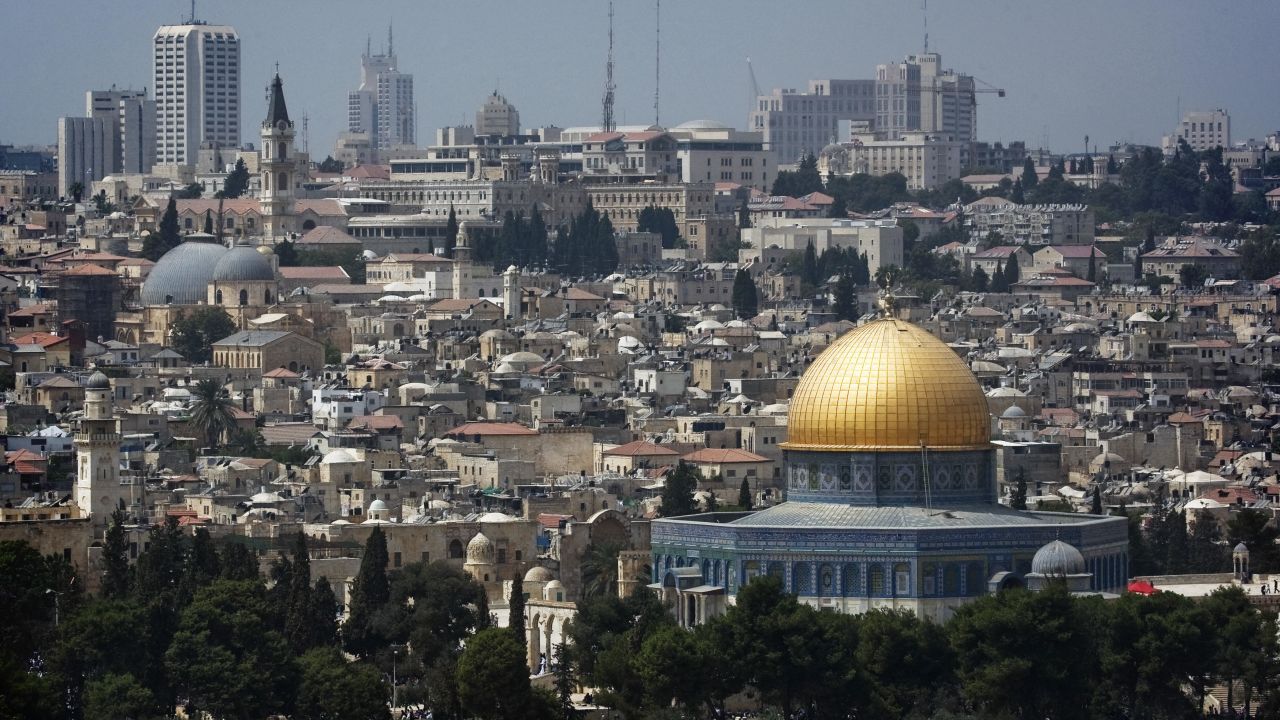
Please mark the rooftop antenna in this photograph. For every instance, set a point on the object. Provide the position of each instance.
(657, 62)
(606, 121)
(391, 43)
(306, 134)
(368, 45)
(925, 7)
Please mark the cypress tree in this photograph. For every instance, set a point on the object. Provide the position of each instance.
(744, 216)
(744, 495)
(369, 594)
(678, 489)
(999, 280)
(450, 232)
(516, 620)
(1029, 177)
(1017, 195)
(1018, 499)
(1011, 271)
(846, 305)
(536, 242)
(116, 578)
(746, 301)
(208, 222)
(298, 626)
(809, 266)
(1093, 266)
(1095, 506)
(324, 614)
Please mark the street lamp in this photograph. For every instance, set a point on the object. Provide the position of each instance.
(395, 652)
(56, 597)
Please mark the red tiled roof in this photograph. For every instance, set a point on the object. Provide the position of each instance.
(490, 428)
(724, 455)
(284, 373)
(376, 422)
(88, 269)
(43, 339)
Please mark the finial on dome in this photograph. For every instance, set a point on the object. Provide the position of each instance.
(885, 278)
(887, 303)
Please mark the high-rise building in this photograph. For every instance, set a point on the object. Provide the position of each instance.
(133, 123)
(1203, 130)
(497, 117)
(918, 95)
(86, 148)
(796, 123)
(382, 107)
(196, 79)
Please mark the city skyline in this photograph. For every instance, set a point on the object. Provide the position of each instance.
(1058, 86)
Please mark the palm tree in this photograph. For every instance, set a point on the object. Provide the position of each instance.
(211, 411)
(600, 569)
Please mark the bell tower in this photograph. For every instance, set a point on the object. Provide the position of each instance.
(277, 166)
(97, 442)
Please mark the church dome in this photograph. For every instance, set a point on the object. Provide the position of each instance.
(182, 275)
(480, 550)
(888, 385)
(242, 263)
(538, 574)
(1058, 559)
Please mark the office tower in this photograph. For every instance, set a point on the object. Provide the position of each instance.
(86, 146)
(133, 123)
(918, 95)
(196, 80)
(798, 123)
(382, 107)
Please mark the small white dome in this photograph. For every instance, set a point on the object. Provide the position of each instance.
(480, 550)
(377, 506)
(1058, 559)
(539, 574)
(338, 456)
(495, 517)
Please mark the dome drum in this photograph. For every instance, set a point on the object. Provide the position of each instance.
(957, 477)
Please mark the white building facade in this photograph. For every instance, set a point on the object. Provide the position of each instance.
(795, 123)
(196, 81)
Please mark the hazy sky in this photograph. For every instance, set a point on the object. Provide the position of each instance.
(1111, 69)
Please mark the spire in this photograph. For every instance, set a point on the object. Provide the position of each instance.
(276, 110)
(391, 43)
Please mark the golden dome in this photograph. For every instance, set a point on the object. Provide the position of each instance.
(888, 385)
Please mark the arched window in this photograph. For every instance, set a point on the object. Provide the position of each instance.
(217, 297)
(244, 297)
(282, 181)
(801, 579)
(266, 297)
(455, 549)
(902, 579)
(280, 153)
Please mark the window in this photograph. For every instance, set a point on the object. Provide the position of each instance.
(397, 560)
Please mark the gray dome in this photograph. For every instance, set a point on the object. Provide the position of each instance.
(1058, 559)
(242, 263)
(182, 275)
(98, 381)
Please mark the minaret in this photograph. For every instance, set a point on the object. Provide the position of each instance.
(511, 293)
(97, 441)
(277, 167)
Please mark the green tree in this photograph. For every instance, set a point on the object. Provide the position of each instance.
(334, 689)
(1260, 254)
(999, 280)
(599, 568)
(661, 221)
(809, 273)
(907, 662)
(237, 182)
(1092, 275)
(1095, 502)
(211, 411)
(846, 304)
(238, 563)
(104, 638)
(562, 669)
(1017, 194)
(744, 215)
(1011, 271)
(677, 491)
(193, 334)
(300, 628)
(286, 253)
(76, 191)
(369, 594)
(119, 697)
(1018, 498)
(516, 618)
(166, 236)
(744, 495)
(978, 280)
(227, 658)
(451, 232)
(1254, 529)
(493, 680)
(1037, 642)
(1192, 275)
(208, 222)
(746, 297)
(117, 576)
(1030, 178)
